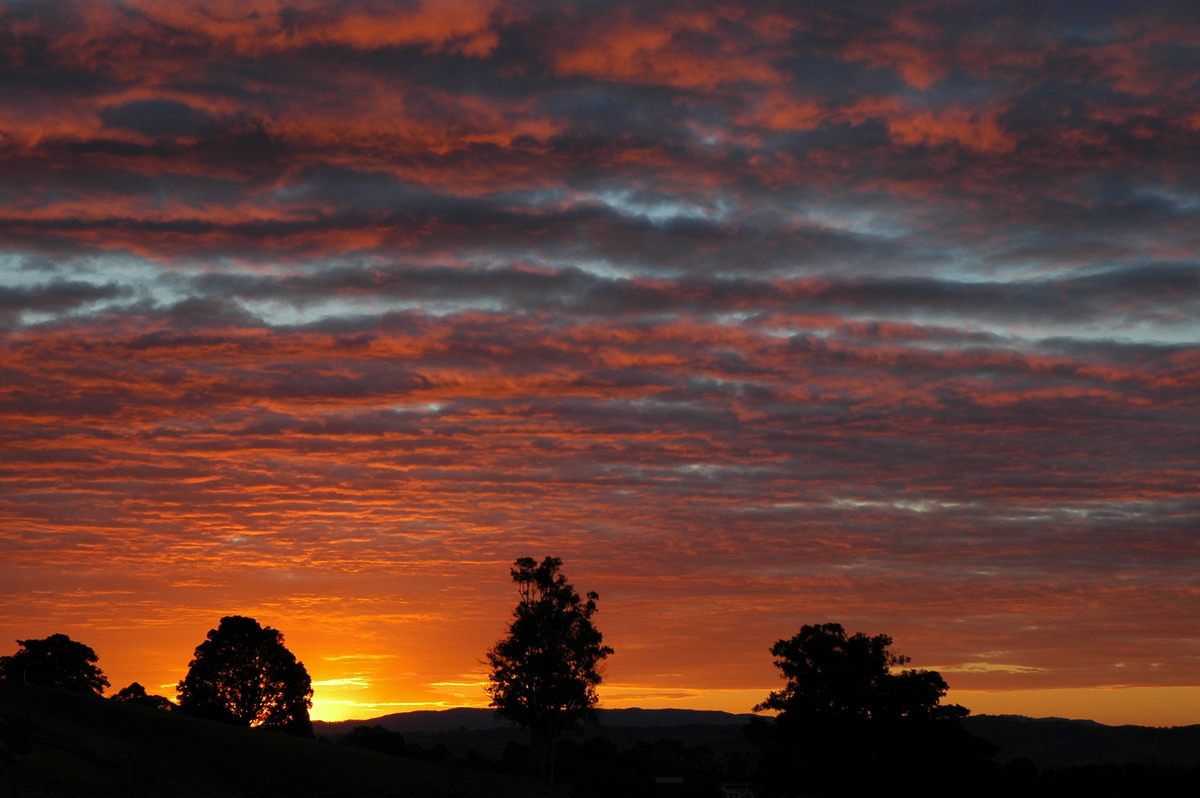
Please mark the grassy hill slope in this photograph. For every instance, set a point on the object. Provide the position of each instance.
(84, 745)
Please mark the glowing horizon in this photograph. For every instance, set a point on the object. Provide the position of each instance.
(361, 685)
(756, 314)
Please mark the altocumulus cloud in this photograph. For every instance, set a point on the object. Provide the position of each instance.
(756, 313)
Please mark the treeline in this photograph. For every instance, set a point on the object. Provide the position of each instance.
(851, 716)
(617, 761)
(595, 767)
(241, 674)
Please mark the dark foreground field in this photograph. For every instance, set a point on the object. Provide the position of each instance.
(75, 745)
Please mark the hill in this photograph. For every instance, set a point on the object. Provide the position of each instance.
(1049, 743)
(1055, 743)
(466, 730)
(82, 745)
(472, 719)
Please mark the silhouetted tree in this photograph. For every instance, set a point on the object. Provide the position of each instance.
(376, 738)
(544, 673)
(136, 694)
(845, 711)
(242, 674)
(55, 661)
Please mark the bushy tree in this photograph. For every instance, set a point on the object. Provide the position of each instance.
(849, 707)
(377, 738)
(136, 694)
(545, 672)
(244, 675)
(55, 661)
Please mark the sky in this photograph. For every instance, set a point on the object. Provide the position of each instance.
(757, 314)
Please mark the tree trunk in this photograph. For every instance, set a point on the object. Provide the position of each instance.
(541, 752)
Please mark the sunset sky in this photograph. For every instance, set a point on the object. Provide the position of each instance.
(757, 314)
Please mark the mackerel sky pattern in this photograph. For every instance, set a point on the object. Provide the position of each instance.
(756, 313)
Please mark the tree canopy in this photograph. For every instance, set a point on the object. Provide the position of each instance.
(834, 675)
(55, 661)
(244, 675)
(846, 709)
(545, 672)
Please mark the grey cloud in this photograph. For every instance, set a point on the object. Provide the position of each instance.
(1149, 292)
(57, 296)
(160, 118)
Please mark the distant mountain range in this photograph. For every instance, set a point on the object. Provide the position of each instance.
(1056, 743)
(1050, 743)
(447, 720)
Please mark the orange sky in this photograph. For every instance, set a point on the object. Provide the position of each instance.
(756, 314)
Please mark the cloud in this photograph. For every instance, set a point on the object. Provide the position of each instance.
(57, 297)
(752, 312)
(159, 118)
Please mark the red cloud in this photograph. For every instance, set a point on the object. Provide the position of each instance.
(666, 50)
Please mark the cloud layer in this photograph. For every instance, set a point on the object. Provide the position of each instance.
(758, 314)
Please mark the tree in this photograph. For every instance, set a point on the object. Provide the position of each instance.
(244, 675)
(845, 713)
(136, 694)
(55, 661)
(545, 672)
(377, 738)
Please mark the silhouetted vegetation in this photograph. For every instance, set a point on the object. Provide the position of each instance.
(72, 745)
(601, 761)
(87, 747)
(376, 738)
(544, 673)
(845, 711)
(136, 694)
(649, 752)
(244, 675)
(56, 661)
(850, 718)
(1112, 780)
